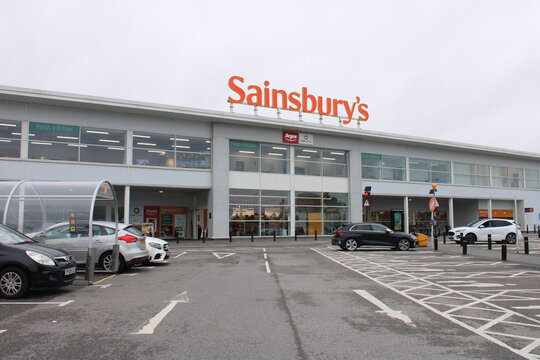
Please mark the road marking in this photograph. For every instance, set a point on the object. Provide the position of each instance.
(107, 278)
(532, 307)
(150, 326)
(478, 285)
(265, 256)
(222, 255)
(384, 308)
(130, 274)
(104, 286)
(2, 331)
(267, 267)
(177, 256)
(64, 303)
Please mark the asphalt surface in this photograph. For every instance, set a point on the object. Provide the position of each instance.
(304, 300)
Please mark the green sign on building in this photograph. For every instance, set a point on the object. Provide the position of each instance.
(54, 128)
(166, 219)
(243, 145)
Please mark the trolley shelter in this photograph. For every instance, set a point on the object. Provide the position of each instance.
(31, 207)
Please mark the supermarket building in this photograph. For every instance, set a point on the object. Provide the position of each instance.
(180, 171)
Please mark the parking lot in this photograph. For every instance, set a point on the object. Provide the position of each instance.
(291, 300)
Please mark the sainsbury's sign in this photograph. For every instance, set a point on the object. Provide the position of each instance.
(296, 101)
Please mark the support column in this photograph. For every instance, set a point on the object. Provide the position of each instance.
(127, 198)
(406, 213)
(451, 212)
(490, 209)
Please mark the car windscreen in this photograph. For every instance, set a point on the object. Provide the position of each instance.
(8, 236)
(132, 229)
(475, 222)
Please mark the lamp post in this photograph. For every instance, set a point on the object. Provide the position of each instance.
(366, 204)
(433, 204)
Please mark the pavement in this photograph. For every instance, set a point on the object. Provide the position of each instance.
(515, 253)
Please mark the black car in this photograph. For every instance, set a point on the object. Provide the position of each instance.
(350, 237)
(26, 264)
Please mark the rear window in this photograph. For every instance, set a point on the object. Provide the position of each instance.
(361, 228)
(501, 223)
(132, 229)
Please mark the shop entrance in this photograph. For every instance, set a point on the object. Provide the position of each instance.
(168, 213)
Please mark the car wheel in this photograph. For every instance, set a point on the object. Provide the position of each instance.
(511, 238)
(351, 245)
(471, 238)
(106, 262)
(13, 283)
(403, 244)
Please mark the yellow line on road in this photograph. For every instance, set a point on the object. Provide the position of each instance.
(107, 278)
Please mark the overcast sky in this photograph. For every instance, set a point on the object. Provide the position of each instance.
(465, 71)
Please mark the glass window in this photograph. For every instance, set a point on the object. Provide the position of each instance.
(102, 145)
(532, 179)
(244, 156)
(387, 167)
(275, 159)
(334, 163)
(263, 212)
(426, 170)
(507, 177)
(471, 174)
(10, 138)
(53, 142)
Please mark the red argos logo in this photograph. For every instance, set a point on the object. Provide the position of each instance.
(290, 137)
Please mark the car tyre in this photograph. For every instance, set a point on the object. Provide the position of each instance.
(13, 283)
(351, 245)
(403, 244)
(471, 238)
(511, 238)
(105, 262)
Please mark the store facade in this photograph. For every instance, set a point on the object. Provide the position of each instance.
(179, 172)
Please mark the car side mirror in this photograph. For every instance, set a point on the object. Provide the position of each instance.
(388, 231)
(481, 227)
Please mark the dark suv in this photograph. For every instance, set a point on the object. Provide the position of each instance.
(352, 236)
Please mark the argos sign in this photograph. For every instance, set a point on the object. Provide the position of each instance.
(296, 101)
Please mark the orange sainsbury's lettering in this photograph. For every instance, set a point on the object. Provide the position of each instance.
(297, 101)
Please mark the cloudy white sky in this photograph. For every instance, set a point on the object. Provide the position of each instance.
(466, 71)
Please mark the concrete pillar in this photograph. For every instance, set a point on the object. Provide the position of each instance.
(127, 198)
(218, 199)
(406, 213)
(451, 212)
(490, 209)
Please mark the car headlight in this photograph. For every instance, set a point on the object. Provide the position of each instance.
(40, 258)
(155, 245)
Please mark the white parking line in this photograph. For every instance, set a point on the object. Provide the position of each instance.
(38, 303)
(267, 267)
(130, 274)
(265, 256)
(2, 331)
(177, 256)
(151, 325)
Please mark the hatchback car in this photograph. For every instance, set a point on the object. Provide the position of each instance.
(352, 236)
(132, 247)
(478, 230)
(26, 264)
(158, 250)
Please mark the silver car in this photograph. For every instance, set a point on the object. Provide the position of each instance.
(132, 246)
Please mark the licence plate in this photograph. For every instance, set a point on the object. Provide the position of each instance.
(143, 242)
(70, 271)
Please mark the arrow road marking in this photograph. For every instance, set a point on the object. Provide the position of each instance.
(151, 325)
(384, 308)
(222, 255)
(2, 331)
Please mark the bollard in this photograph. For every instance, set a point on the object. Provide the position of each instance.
(435, 243)
(274, 235)
(204, 239)
(252, 237)
(295, 236)
(526, 244)
(230, 237)
(464, 242)
(527, 229)
(503, 250)
(489, 242)
(444, 238)
(315, 235)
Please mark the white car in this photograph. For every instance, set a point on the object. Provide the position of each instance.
(499, 229)
(132, 246)
(158, 250)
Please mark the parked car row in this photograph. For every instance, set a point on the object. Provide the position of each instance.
(49, 258)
